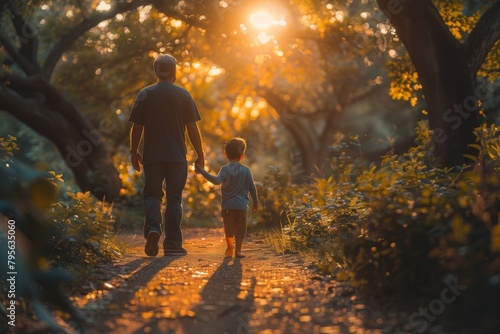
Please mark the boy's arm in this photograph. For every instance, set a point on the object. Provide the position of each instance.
(253, 193)
(213, 178)
(255, 201)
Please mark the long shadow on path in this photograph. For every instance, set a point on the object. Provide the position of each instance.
(219, 311)
(122, 299)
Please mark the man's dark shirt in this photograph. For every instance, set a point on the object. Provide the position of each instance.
(164, 110)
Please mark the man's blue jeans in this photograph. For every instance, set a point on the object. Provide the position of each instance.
(174, 174)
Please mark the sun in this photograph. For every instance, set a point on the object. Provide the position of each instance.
(262, 20)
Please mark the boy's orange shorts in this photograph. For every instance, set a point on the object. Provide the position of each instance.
(235, 223)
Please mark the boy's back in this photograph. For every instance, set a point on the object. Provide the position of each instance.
(237, 182)
(236, 186)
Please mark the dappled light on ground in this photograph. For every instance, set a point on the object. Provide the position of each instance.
(205, 292)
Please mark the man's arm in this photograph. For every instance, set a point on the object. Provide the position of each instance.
(196, 141)
(135, 139)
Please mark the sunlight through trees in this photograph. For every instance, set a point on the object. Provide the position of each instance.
(371, 127)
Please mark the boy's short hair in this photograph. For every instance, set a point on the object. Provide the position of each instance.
(235, 147)
(165, 66)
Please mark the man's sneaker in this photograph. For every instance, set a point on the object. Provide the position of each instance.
(174, 252)
(151, 248)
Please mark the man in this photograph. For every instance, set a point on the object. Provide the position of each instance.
(164, 112)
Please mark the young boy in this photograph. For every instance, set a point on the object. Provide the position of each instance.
(237, 182)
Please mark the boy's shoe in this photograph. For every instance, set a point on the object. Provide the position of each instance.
(174, 252)
(151, 248)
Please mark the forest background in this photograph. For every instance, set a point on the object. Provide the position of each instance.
(370, 128)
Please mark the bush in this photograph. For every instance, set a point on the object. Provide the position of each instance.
(85, 232)
(404, 225)
(51, 239)
(201, 202)
(275, 191)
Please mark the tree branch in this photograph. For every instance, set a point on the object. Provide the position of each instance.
(93, 170)
(419, 23)
(490, 70)
(15, 55)
(53, 97)
(482, 38)
(163, 7)
(325, 139)
(296, 129)
(77, 31)
(353, 98)
(23, 109)
(27, 36)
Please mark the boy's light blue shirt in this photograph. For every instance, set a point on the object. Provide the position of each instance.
(237, 181)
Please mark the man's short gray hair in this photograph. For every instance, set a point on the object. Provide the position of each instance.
(165, 66)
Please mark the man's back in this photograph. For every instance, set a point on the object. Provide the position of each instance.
(164, 109)
(163, 112)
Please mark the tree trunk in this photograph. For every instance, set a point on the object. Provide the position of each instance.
(453, 115)
(447, 71)
(27, 94)
(54, 117)
(289, 119)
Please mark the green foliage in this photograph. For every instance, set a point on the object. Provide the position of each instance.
(275, 191)
(37, 284)
(201, 202)
(325, 223)
(326, 217)
(51, 239)
(7, 148)
(403, 225)
(85, 232)
(460, 25)
(404, 78)
(488, 144)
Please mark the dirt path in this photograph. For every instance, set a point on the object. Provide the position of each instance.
(204, 292)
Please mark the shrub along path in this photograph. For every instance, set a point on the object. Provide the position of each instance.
(204, 292)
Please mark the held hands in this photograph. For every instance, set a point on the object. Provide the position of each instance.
(255, 207)
(199, 165)
(197, 169)
(136, 159)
